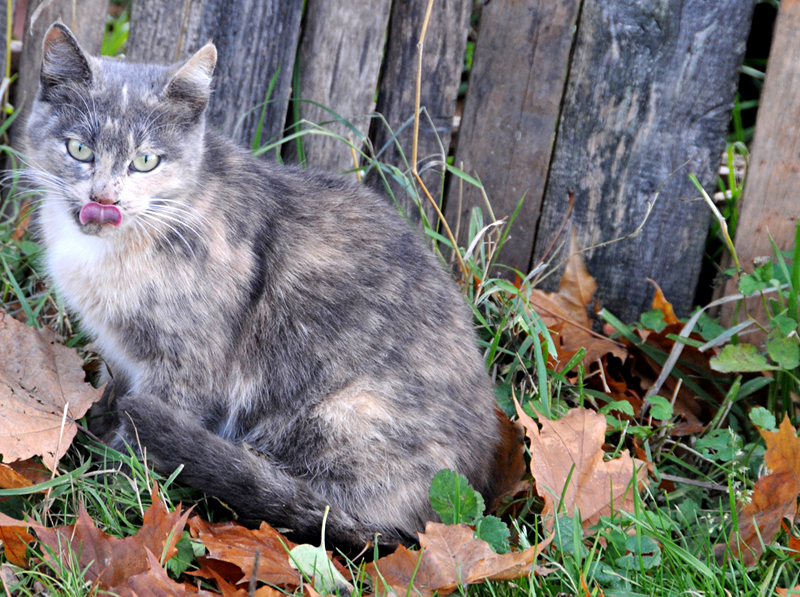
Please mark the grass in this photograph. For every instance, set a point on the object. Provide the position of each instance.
(668, 546)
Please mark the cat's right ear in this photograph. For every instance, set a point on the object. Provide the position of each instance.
(63, 60)
(191, 83)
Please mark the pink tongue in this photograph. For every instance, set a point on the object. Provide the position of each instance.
(100, 214)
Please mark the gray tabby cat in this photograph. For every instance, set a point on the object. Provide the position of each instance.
(281, 334)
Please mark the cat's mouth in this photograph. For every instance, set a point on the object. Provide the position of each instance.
(97, 213)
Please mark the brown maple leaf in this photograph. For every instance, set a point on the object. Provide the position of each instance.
(109, 561)
(450, 557)
(564, 313)
(41, 386)
(571, 448)
(155, 582)
(234, 543)
(774, 495)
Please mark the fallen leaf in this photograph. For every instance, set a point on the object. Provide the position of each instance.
(39, 380)
(234, 543)
(788, 592)
(564, 313)
(510, 461)
(774, 495)
(15, 537)
(109, 560)
(572, 448)
(661, 303)
(154, 582)
(450, 557)
(22, 473)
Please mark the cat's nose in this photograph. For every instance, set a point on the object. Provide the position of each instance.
(106, 196)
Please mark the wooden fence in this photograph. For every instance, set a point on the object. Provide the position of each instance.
(613, 101)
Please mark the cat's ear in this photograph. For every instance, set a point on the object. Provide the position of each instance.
(191, 83)
(63, 60)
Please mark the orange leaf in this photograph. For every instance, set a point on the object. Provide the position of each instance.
(661, 303)
(22, 473)
(774, 495)
(788, 592)
(450, 557)
(234, 543)
(572, 448)
(15, 541)
(38, 379)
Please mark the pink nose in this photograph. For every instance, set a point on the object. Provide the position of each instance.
(105, 197)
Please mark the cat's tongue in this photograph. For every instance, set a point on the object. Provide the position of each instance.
(100, 214)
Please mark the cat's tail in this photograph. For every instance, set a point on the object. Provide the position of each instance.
(253, 485)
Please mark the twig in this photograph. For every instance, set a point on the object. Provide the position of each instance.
(686, 481)
(574, 324)
(552, 244)
(414, 170)
(251, 588)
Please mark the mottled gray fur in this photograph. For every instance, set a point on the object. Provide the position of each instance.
(282, 334)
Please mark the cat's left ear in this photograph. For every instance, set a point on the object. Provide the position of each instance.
(191, 83)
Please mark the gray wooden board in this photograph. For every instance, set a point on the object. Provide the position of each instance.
(443, 61)
(339, 62)
(650, 92)
(771, 202)
(254, 39)
(88, 26)
(509, 123)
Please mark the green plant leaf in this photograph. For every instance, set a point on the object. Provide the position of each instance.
(785, 324)
(740, 358)
(622, 406)
(454, 500)
(315, 564)
(660, 408)
(783, 349)
(720, 444)
(495, 532)
(644, 552)
(653, 320)
(758, 280)
(182, 561)
(762, 418)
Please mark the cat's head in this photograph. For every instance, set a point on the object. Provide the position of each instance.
(116, 145)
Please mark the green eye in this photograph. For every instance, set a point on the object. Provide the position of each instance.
(145, 163)
(80, 151)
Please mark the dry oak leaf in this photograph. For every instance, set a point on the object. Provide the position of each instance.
(234, 543)
(774, 495)
(15, 537)
(661, 303)
(110, 561)
(450, 557)
(38, 379)
(564, 312)
(572, 448)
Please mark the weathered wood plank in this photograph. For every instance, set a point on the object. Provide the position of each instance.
(509, 123)
(88, 25)
(255, 38)
(442, 64)
(340, 61)
(770, 202)
(650, 92)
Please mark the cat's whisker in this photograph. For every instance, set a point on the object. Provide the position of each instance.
(171, 228)
(177, 220)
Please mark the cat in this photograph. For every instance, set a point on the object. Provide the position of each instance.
(281, 334)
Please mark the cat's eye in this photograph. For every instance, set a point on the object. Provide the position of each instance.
(80, 151)
(145, 163)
